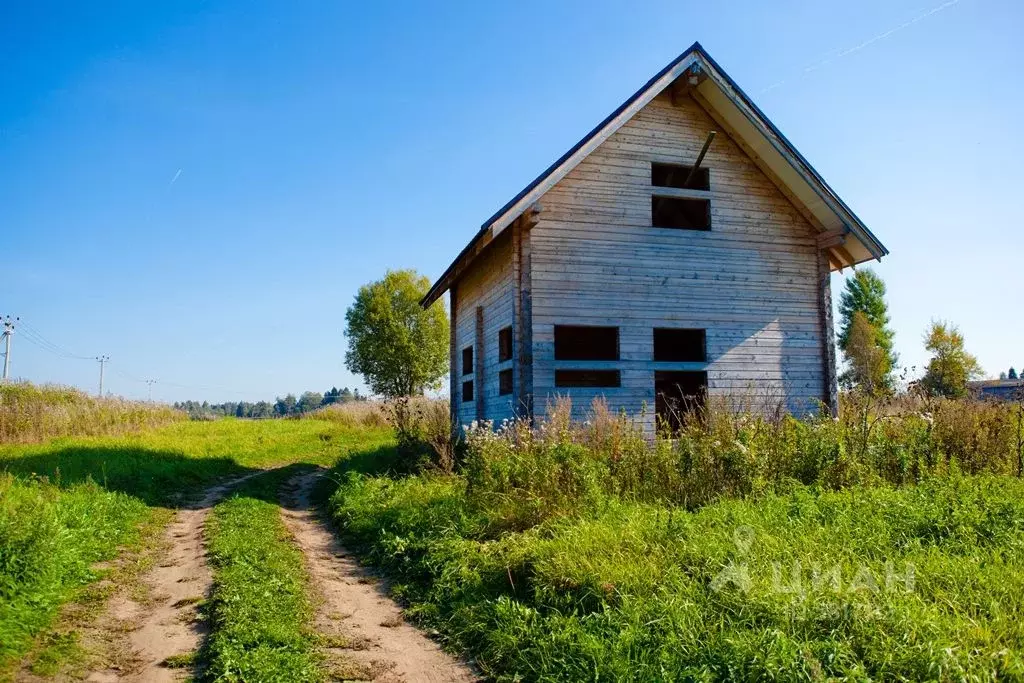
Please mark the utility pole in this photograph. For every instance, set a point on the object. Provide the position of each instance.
(151, 382)
(8, 333)
(102, 360)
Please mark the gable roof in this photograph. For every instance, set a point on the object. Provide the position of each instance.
(733, 110)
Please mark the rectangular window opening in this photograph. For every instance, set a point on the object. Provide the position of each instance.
(677, 396)
(583, 342)
(505, 344)
(588, 378)
(680, 345)
(680, 214)
(675, 175)
(467, 360)
(505, 382)
(467, 391)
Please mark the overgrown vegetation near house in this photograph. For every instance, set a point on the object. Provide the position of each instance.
(31, 413)
(885, 545)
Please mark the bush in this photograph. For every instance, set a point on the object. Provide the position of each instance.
(424, 432)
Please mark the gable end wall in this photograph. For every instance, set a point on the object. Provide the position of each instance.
(751, 281)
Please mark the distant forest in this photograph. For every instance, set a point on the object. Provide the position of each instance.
(282, 407)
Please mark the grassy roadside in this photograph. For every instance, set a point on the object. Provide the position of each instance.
(71, 503)
(809, 584)
(50, 540)
(259, 612)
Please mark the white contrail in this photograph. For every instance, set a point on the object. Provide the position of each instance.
(175, 177)
(881, 36)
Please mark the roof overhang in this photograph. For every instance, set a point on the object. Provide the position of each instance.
(846, 239)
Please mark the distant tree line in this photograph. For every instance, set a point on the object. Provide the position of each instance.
(282, 407)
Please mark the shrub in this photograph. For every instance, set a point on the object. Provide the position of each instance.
(424, 432)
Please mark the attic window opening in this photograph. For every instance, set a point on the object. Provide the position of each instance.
(675, 175)
(584, 342)
(680, 345)
(588, 378)
(680, 214)
(504, 344)
(467, 360)
(505, 382)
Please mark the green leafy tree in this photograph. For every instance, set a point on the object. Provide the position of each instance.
(310, 400)
(865, 293)
(868, 366)
(400, 348)
(1012, 374)
(286, 405)
(951, 367)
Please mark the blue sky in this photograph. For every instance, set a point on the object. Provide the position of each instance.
(197, 189)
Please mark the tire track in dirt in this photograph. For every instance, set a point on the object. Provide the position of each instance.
(163, 623)
(363, 628)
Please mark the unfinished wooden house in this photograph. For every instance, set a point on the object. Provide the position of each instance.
(681, 249)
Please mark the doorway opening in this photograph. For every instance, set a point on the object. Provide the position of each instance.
(677, 394)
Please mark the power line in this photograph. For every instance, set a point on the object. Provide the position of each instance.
(37, 339)
(41, 341)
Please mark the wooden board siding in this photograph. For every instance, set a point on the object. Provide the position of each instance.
(752, 280)
(488, 284)
(522, 346)
(454, 357)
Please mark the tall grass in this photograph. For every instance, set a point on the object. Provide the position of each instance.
(30, 413)
(351, 414)
(561, 465)
(887, 544)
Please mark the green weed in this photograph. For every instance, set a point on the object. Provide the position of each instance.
(919, 583)
(745, 547)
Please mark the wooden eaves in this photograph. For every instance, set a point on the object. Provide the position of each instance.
(843, 237)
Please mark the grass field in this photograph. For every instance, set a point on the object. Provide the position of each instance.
(743, 549)
(70, 503)
(808, 585)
